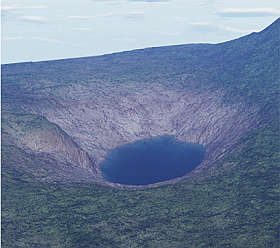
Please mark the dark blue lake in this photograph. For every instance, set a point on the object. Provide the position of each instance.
(151, 160)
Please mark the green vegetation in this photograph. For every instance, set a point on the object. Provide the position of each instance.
(233, 203)
(237, 206)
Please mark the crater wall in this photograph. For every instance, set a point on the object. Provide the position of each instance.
(102, 116)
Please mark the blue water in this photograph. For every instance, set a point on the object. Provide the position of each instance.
(151, 160)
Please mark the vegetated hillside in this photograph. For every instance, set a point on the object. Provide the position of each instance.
(232, 202)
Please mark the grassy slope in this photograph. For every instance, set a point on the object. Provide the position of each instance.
(235, 205)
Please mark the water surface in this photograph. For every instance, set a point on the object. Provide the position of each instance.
(151, 160)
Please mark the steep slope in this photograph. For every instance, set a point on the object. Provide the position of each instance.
(224, 96)
(100, 117)
(39, 139)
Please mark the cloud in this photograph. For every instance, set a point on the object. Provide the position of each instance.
(13, 38)
(55, 41)
(36, 19)
(180, 19)
(145, 1)
(82, 29)
(49, 40)
(149, 1)
(91, 17)
(35, 38)
(210, 27)
(16, 7)
(132, 14)
(248, 12)
(171, 34)
(15, 12)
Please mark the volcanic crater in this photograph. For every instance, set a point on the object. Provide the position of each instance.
(100, 117)
(61, 118)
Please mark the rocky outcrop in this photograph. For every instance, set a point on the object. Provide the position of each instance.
(53, 140)
(37, 136)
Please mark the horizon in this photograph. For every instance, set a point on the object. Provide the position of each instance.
(35, 32)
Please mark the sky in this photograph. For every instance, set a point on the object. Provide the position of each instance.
(36, 30)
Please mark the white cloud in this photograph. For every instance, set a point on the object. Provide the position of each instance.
(169, 33)
(210, 27)
(149, 1)
(91, 17)
(16, 7)
(42, 39)
(180, 19)
(130, 14)
(54, 41)
(48, 40)
(200, 23)
(133, 14)
(13, 38)
(37, 19)
(248, 12)
(145, 1)
(82, 29)
(16, 12)
(35, 38)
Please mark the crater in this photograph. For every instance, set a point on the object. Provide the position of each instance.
(151, 161)
(106, 118)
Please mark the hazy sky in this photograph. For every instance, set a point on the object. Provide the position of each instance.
(34, 30)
